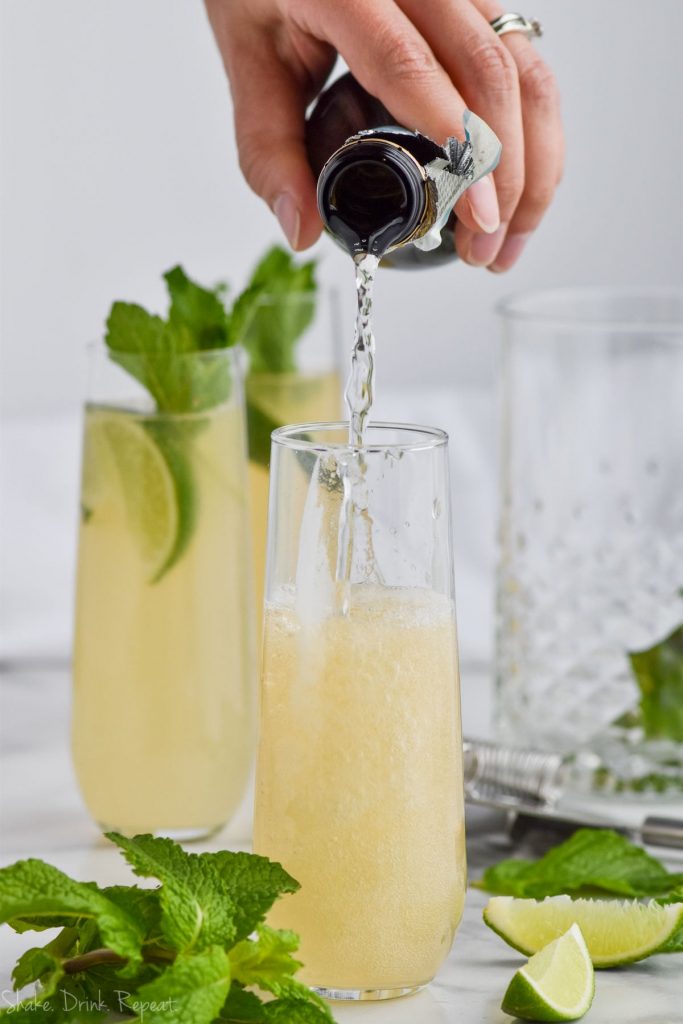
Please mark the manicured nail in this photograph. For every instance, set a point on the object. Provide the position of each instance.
(484, 204)
(287, 212)
(510, 251)
(483, 248)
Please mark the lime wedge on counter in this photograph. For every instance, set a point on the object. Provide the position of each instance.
(148, 478)
(616, 931)
(557, 983)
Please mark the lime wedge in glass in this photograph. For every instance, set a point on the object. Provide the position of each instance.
(616, 931)
(557, 983)
(145, 459)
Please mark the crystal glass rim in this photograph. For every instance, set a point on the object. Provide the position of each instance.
(234, 353)
(535, 307)
(424, 438)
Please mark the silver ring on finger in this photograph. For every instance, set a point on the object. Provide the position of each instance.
(529, 27)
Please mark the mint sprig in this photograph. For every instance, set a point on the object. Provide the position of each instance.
(179, 360)
(182, 953)
(659, 674)
(268, 320)
(590, 862)
(274, 310)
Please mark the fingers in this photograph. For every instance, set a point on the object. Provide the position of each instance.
(269, 109)
(543, 148)
(486, 76)
(543, 139)
(390, 57)
(426, 62)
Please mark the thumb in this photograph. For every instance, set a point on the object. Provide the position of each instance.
(269, 111)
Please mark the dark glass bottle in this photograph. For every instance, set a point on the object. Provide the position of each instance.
(387, 190)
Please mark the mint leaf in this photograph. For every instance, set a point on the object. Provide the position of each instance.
(254, 884)
(267, 960)
(243, 311)
(507, 878)
(242, 1007)
(44, 963)
(167, 359)
(295, 993)
(198, 310)
(108, 986)
(591, 860)
(147, 347)
(259, 428)
(267, 963)
(675, 943)
(197, 910)
(272, 313)
(32, 890)
(190, 991)
(131, 329)
(38, 965)
(142, 905)
(268, 319)
(675, 896)
(201, 312)
(659, 674)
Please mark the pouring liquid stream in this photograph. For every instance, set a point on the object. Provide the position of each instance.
(355, 549)
(360, 385)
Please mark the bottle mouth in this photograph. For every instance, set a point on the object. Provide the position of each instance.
(372, 195)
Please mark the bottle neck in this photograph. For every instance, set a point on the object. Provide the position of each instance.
(373, 193)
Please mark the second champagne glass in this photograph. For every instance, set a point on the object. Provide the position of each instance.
(299, 385)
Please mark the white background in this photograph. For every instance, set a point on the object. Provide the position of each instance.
(118, 160)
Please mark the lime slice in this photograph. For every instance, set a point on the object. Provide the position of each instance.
(556, 984)
(616, 931)
(121, 446)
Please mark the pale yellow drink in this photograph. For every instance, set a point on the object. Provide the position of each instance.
(282, 398)
(162, 715)
(359, 786)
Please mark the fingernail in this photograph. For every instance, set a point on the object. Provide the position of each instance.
(483, 248)
(484, 204)
(287, 212)
(510, 251)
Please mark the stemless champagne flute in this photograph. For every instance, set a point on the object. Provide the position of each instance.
(359, 769)
(286, 384)
(163, 653)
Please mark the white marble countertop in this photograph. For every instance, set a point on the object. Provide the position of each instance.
(41, 816)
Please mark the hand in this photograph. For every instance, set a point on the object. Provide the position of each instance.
(427, 61)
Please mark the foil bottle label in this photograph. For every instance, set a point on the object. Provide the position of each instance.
(450, 176)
